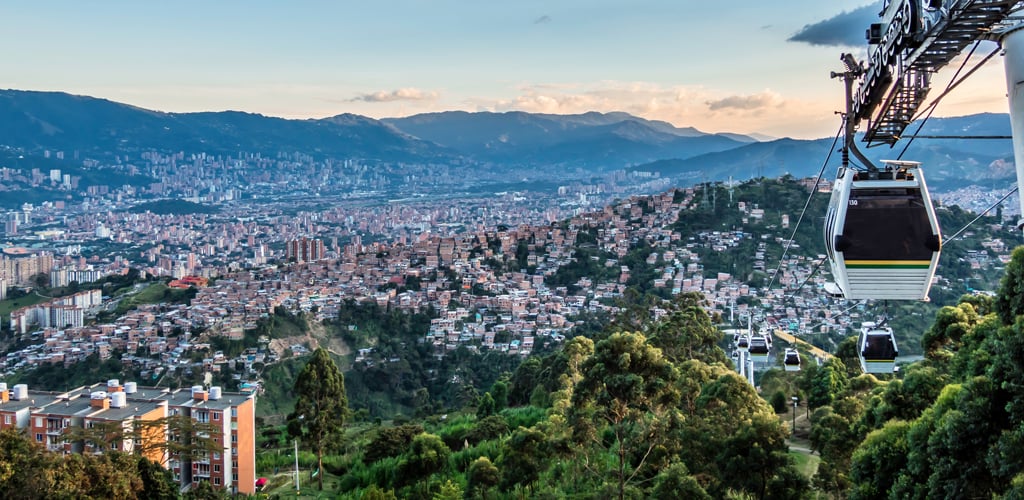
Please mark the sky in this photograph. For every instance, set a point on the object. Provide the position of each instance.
(742, 67)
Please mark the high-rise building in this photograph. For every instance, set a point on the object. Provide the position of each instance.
(20, 266)
(144, 413)
(11, 224)
(305, 250)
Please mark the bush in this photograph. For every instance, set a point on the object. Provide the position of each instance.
(523, 416)
(779, 402)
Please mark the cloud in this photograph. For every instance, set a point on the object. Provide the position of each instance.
(542, 20)
(684, 105)
(846, 29)
(406, 94)
(753, 102)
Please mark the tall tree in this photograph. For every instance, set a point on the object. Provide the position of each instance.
(1010, 299)
(481, 476)
(828, 382)
(426, 455)
(629, 387)
(687, 332)
(321, 406)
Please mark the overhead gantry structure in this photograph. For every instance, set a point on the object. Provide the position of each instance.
(912, 41)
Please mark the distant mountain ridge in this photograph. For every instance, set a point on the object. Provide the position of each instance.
(60, 121)
(947, 162)
(588, 143)
(607, 140)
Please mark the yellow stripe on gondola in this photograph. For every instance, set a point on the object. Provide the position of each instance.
(888, 264)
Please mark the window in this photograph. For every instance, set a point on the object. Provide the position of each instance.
(216, 455)
(39, 437)
(216, 415)
(216, 481)
(7, 420)
(234, 413)
(39, 421)
(234, 451)
(216, 468)
(234, 476)
(234, 438)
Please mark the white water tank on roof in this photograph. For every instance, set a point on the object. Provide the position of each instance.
(118, 400)
(98, 395)
(20, 392)
(196, 389)
(113, 383)
(131, 387)
(3, 386)
(215, 392)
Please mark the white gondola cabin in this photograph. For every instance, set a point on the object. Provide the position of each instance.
(877, 349)
(881, 234)
(743, 343)
(759, 349)
(791, 360)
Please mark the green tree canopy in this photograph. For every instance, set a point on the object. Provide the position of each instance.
(321, 406)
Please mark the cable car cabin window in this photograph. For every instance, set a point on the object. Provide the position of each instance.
(886, 224)
(879, 347)
(830, 220)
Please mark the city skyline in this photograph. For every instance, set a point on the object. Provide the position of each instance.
(687, 63)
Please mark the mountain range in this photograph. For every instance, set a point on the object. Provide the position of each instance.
(31, 122)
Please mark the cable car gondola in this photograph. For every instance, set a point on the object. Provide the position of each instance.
(791, 360)
(877, 348)
(881, 234)
(758, 349)
(743, 343)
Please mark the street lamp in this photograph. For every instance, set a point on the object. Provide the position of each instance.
(796, 402)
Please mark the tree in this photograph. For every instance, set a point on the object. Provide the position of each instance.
(487, 428)
(676, 482)
(835, 435)
(485, 407)
(878, 460)
(391, 442)
(1010, 298)
(629, 387)
(427, 454)
(499, 391)
(524, 380)
(481, 476)
(448, 491)
(779, 402)
(375, 493)
(321, 406)
(829, 381)
(687, 332)
(523, 458)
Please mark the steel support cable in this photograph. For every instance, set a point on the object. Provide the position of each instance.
(953, 83)
(987, 210)
(841, 313)
(806, 204)
(809, 276)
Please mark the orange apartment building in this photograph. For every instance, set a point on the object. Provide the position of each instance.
(48, 417)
